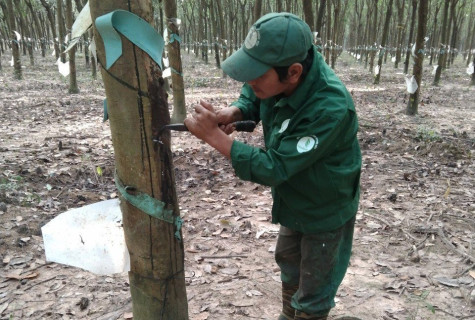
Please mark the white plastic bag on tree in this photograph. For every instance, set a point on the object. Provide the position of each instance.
(411, 84)
(470, 69)
(435, 69)
(376, 69)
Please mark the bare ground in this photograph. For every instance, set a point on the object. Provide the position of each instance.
(413, 254)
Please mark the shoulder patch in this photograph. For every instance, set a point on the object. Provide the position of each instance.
(306, 144)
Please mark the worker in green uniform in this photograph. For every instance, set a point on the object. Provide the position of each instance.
(312, 160)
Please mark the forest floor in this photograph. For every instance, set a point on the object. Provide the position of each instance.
(413, 255)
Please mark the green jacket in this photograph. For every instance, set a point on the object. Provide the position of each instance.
(312, 159)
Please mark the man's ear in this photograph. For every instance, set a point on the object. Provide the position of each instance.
(294, 72)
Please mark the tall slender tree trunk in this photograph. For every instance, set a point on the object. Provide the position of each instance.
(257, 12)
(374, 46)
(15, 44)
(384, 41)
(308, 13)
(222, 31)
(327, 41)
(443, 45)
(472, 83)
(214, 31)
(413, 103)
(73, 85)
(174, 55)
(61, 29)
(157, 281)
(401, 4)
(336, 29)
(411, 34)
(52, 23)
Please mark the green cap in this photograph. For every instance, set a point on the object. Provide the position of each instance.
(275, 40)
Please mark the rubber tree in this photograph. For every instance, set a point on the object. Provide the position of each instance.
(61, 29)
(73, 85)
(15, 44)
(411, 31)
(401, 5)
(413, 103)
(442, 45)
(38, 27)
(50, 15)
(174, 56)
(308, 13)
(384, 39)
(138, 108)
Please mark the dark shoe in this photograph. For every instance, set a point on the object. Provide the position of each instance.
(288, 311)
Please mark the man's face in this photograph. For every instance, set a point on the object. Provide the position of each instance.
(268, 85)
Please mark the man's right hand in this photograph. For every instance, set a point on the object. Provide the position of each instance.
(226, 118)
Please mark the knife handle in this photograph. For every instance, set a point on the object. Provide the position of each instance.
(246, 125)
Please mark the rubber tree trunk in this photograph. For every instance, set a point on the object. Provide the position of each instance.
(413, 103)
(15, 44)
(401, 5)
(411, 34)
(442, 45)
(73, 84)
(384, 40)
(374, 47)
(61, 29)
(308, 13)
(257, 12)
(472, 83)
(52, 24)
(174, 55)
(214, 31)
(156, 276)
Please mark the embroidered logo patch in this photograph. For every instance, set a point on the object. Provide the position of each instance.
(252, 38)
(306, 144)
(284, 126)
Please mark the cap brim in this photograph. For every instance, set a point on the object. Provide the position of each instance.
(242, 67)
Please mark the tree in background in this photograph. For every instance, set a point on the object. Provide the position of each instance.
(15, 43)
(443, 47)
(383, 41)
(73, 85)
(412, 106)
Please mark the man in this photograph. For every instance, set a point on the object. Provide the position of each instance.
(312, 159)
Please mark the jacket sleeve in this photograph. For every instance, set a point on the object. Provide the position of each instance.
(248, 103)
(293, 152)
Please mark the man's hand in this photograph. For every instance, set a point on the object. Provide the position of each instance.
(226, 118)
(204, 125)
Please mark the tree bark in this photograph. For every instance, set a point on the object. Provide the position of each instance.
(419, 58)
(401, 4)
(73, 85)
(157, 281)
(174, 55)
(15, 44)
(52, 23)
(257, 12)
(472, 83)
(384, 40)
(61, 29)
(308, 13)
(442, 46)
(411, 31)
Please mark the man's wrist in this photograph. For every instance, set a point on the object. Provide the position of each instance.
(221, 142)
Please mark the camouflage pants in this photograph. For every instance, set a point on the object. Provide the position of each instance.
(317, 263)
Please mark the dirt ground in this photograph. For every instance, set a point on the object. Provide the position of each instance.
(413, 255)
